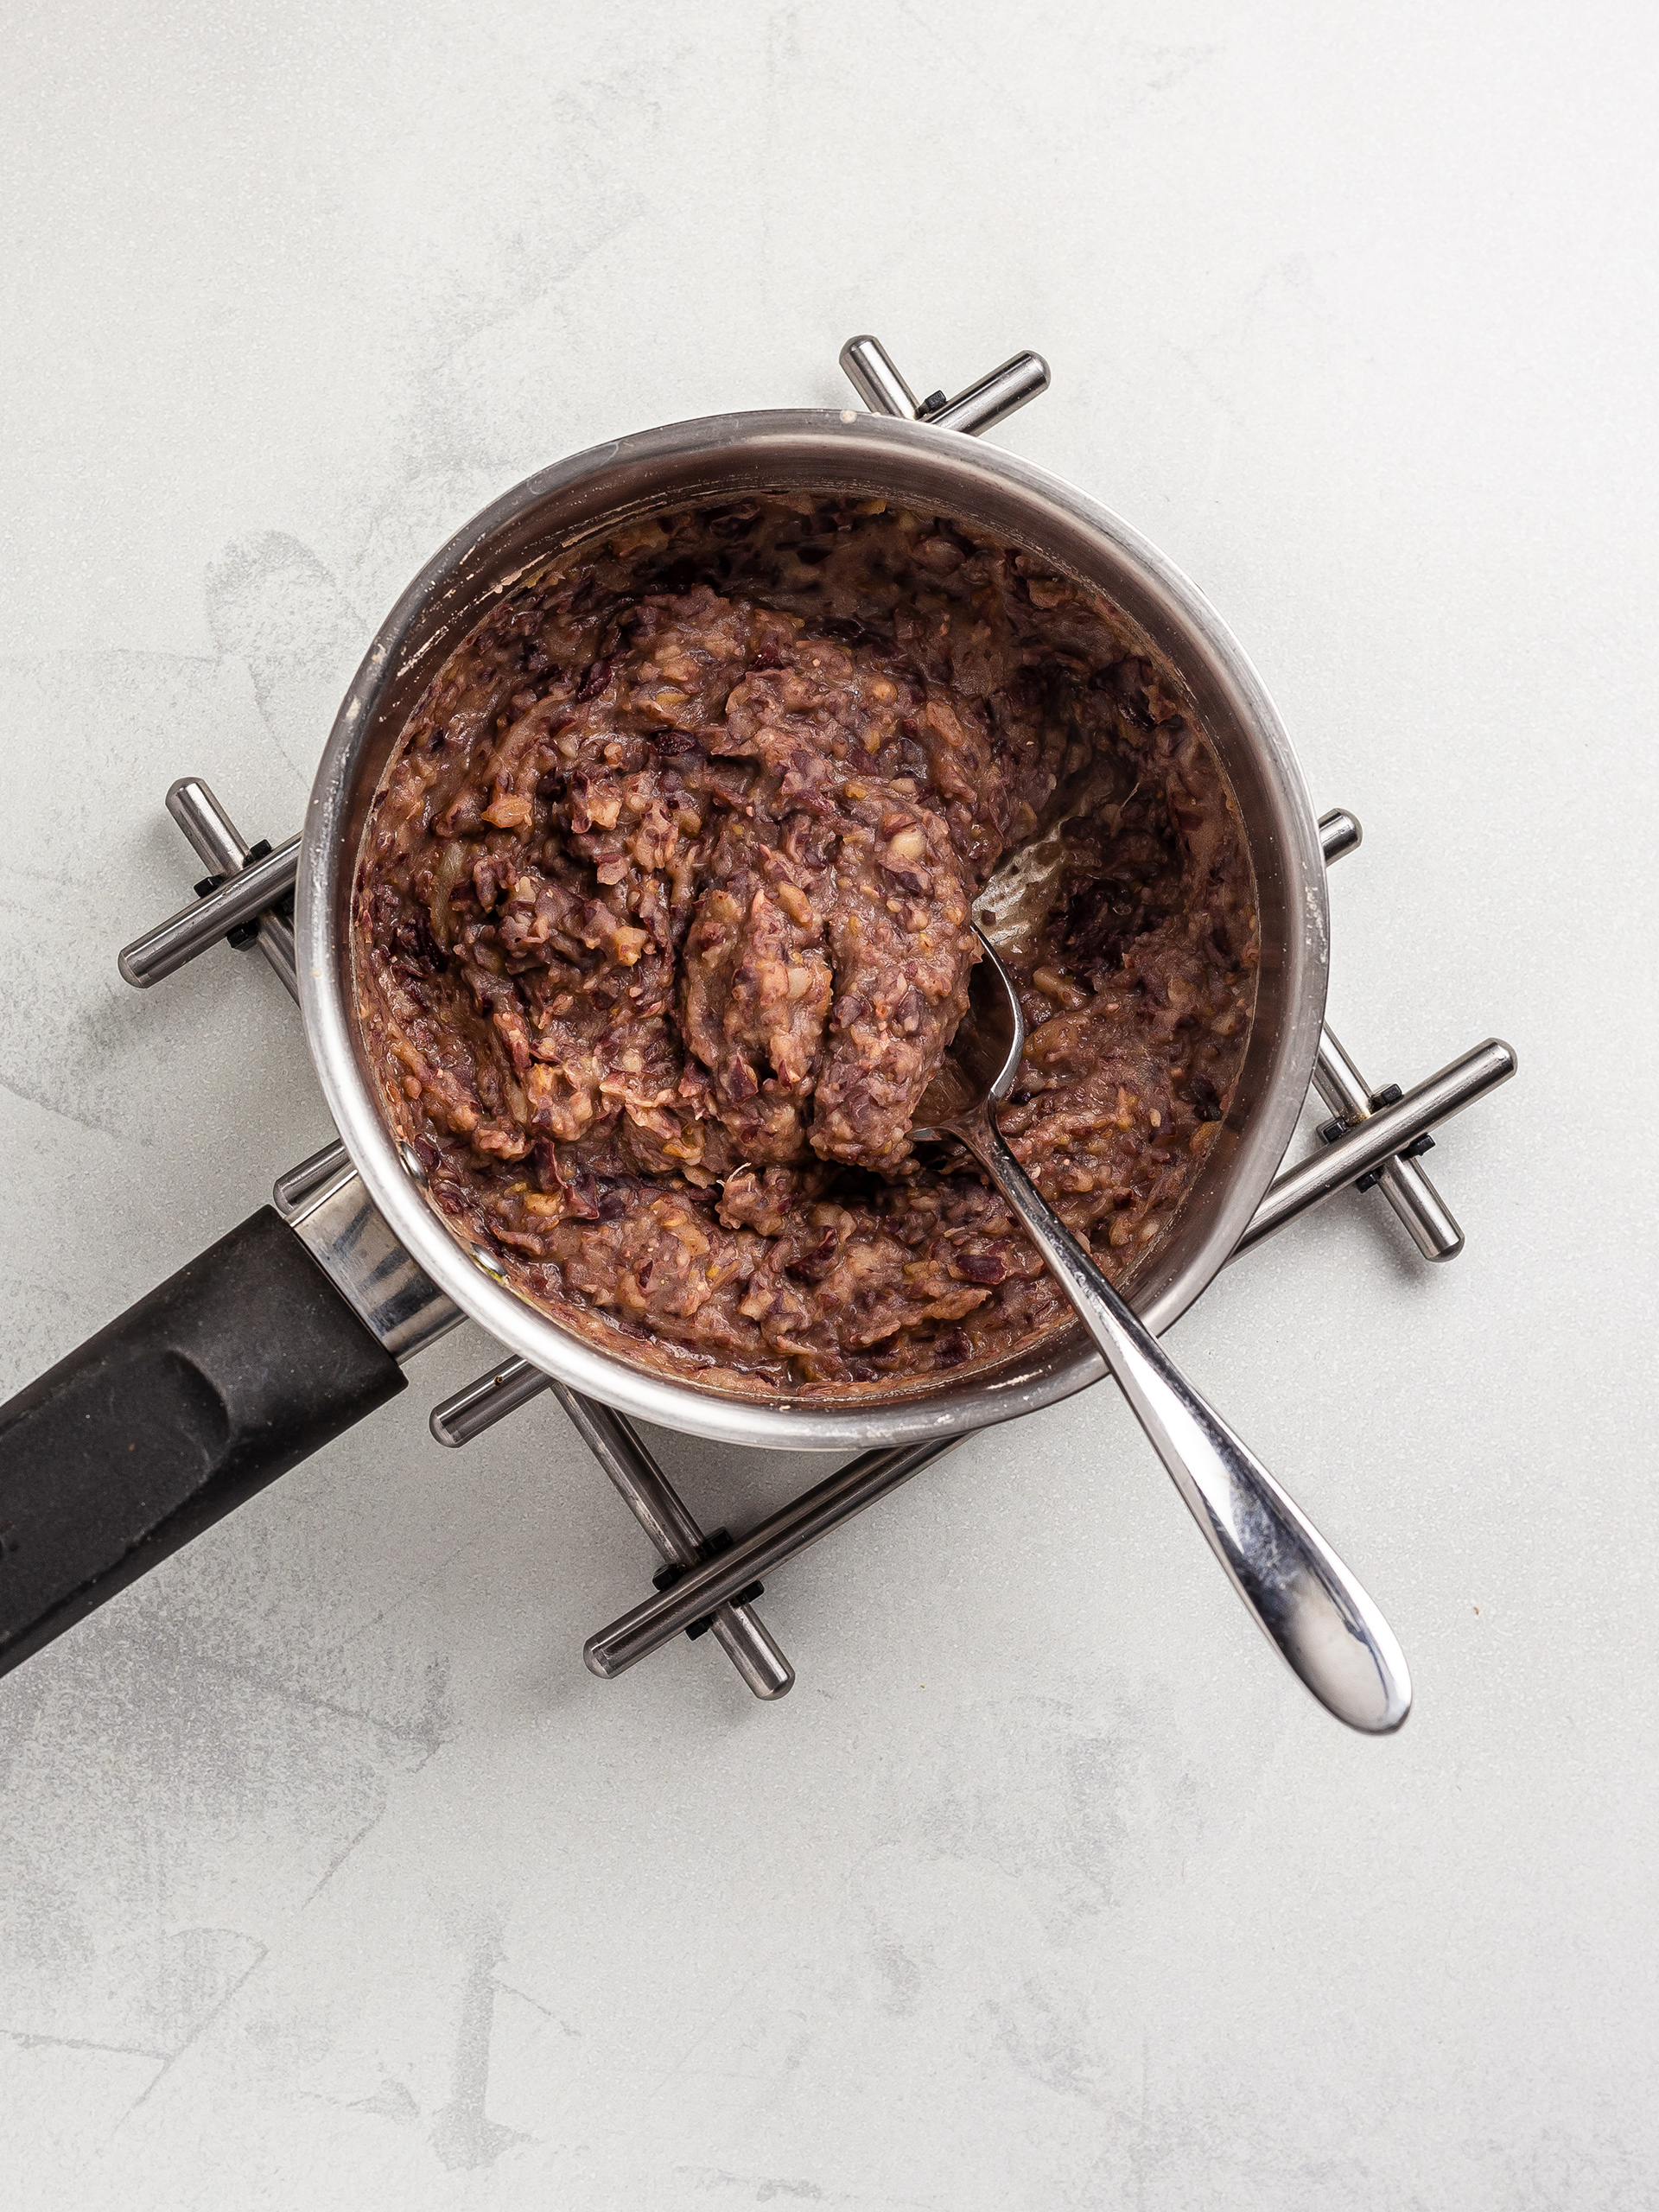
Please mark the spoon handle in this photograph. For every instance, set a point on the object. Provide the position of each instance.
(1304, 1598)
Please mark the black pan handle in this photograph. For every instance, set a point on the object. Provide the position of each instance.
(229, 1374)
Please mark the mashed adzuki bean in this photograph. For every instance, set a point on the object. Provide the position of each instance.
(663, 922)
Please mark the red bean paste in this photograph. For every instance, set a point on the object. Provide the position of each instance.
(663, 924)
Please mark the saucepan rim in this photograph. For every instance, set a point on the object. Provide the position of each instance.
(792, 447)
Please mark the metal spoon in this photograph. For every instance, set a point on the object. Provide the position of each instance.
(1303, 1597)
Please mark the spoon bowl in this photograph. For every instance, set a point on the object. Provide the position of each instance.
(983, 1061)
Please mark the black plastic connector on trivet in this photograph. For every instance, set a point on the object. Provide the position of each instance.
(1390, 1095)
(245, 932)
(718, 1540)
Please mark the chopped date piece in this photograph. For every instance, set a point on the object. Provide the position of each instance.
(1205, 1099)
(664, 922)
(981, 1267)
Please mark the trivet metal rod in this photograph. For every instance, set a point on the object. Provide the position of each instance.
(874, 375)
(490, 1397)
(218, 843)
(809, 1517)
(986, 402)
(1380, 1135)
(1428, 1220)
(244, 896)
(644, 1488)
(1339, 833)
(657, 1507)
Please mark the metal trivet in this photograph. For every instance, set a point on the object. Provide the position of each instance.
(707, 1583)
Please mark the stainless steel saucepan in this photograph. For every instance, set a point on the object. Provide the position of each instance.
(297, 1323)
(936, 468)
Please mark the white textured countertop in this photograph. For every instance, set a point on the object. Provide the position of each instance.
(328, 1878)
